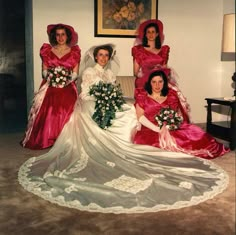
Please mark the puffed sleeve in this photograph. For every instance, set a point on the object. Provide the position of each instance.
(174, 103)
(44, 53)
(141, 99)
(88, 79)
(137, 54)
(76, 53)
(165, 50)
(173, 99)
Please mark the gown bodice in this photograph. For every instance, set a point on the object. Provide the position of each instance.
(152, 108)
(148, 60)
(69, 60)
(93, 76)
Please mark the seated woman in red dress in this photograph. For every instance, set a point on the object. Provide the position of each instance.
(163, 125)
(55, 100)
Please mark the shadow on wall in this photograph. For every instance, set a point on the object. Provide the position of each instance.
(13, 109)
(12, 104)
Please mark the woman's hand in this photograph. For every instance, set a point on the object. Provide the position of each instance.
(139, 74)
(45, 73)
(166, 140)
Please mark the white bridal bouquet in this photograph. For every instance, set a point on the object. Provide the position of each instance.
(59, 76)
(109, 99)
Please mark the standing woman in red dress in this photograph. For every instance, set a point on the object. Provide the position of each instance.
(54, 102)
(150, 54)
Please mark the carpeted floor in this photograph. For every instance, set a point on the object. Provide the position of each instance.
(22, 213)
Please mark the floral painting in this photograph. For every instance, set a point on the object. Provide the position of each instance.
(116, 18)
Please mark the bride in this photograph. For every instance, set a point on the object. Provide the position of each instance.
(100, 170)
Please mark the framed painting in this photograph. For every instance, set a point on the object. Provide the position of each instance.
(121, 18)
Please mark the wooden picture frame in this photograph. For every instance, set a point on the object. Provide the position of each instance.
(121, 18)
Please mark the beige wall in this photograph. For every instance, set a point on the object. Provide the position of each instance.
(192, 30)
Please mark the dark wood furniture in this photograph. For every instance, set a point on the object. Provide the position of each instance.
(219, 130)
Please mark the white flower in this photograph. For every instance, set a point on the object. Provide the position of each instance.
(71, 189)
(170, 117)
(111, 164)
(58, 76)
(185, 184)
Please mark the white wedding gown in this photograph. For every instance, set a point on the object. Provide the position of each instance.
(98, 170)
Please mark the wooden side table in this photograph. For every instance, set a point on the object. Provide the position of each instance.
(220, 131)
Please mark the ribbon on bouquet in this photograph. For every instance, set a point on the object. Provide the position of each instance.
(37, 102)
(168, 142)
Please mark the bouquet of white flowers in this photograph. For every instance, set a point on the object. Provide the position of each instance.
(109, 99)
(170, 118)
(59, 76)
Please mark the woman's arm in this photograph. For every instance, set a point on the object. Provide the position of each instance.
(44, 70)
(76, 68)
(74, 74)
(136, 69)
(165, 54)
(139, 111)
(88, 79)
(144, 121)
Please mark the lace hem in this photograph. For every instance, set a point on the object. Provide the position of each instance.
(34, 187)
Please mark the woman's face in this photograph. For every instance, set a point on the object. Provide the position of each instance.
(102, 57)
(151, 34)
(61, 36)
(157, 84)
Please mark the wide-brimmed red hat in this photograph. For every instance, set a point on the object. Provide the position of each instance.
(147, 22)
(74, 35)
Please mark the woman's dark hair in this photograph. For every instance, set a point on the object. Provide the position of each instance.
(52, 34)
(157, 40)
(102, 47)
(160, 73)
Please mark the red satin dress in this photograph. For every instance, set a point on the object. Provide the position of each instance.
(189, 138)
(52, 106)
(148, 62)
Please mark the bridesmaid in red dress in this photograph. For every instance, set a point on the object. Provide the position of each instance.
(55, 100)
(149, 54)
(156, 131)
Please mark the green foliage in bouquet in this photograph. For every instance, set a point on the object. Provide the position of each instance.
(108, 99)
